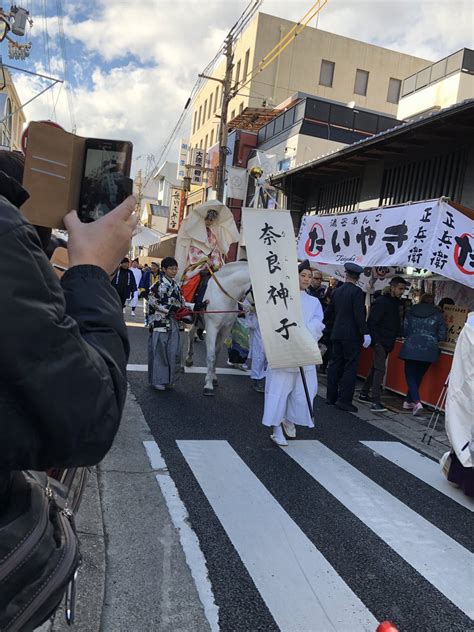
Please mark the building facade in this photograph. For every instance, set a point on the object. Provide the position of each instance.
(11, 116)
(319, 63)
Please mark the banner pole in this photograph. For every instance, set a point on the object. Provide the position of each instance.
(308, 399)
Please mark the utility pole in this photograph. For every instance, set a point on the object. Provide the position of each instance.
(223, 130)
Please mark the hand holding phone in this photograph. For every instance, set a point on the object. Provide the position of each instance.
(105, 177)
(105, 242)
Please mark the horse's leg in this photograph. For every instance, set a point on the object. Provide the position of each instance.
(211, 336)
(190, 353)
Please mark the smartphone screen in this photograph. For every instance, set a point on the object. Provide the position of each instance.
(105, 180)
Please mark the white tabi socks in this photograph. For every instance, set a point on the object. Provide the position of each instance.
(278, 437)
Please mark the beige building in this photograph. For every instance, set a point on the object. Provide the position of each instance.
(317, 62)
(11, 117)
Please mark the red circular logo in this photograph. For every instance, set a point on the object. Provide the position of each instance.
(314, 243)
(464, 251)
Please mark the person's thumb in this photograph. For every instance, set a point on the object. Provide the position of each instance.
(71, 221)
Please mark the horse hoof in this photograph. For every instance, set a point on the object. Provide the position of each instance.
(188, 362)
(215, 382)
(209, 392)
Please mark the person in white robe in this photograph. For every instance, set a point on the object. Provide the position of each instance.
(285, 399)
(460, 410)
(257, 352)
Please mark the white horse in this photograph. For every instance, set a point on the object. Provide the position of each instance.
(235, 280)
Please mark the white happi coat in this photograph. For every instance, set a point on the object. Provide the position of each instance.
(284, 392)
(137, 273)
(460, 397)
(257, 352)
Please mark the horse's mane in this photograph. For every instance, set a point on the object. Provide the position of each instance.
(230, 268)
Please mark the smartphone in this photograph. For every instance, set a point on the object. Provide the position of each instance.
(105, 177)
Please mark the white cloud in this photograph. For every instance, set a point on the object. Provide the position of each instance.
(171, 42)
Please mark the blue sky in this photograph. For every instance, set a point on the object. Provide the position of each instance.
(133, 64)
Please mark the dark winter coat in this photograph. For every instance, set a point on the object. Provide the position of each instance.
(64, 351)
(384, 321)
(424, 328)
(347, 311)
(124, 282)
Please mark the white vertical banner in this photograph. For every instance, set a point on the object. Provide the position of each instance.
(182, 159)
(271, 253)
(237, 181)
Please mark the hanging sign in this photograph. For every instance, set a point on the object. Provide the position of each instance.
(182, 159)
(271, 253)
(427, 235)
(176, 212)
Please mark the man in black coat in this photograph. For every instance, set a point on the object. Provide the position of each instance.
(349, 333)
(384, 326)
(124, 281)
(64, 345)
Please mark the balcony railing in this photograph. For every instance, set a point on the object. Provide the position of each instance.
(462, 61)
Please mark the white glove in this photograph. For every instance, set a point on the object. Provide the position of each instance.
(367, 341)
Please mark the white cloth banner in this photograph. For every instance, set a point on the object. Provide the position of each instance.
(427, 235)
(237, 180)
(271, 253)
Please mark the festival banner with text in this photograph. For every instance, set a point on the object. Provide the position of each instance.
(426, 235)
(271, 253)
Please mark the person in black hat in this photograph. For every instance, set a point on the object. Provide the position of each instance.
(350, 332)
(124, 281)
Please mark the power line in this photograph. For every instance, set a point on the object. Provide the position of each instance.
(66, 70)
(236, 31)
(284, 42)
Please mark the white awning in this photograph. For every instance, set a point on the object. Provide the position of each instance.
(146, 237)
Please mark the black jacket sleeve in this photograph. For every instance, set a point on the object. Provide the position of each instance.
(63, 358)
(376, 316)
(358, 306)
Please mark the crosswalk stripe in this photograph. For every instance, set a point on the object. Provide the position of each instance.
(443, 562)
(143, 368)
(420, 466)
(299, 586)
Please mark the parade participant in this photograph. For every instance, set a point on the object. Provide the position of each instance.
(124, 281)
(148, 278)
(459, 417)
(204, 239)
(137, 273)
(164, 344)
(349, 333)
(385, 327)
(257, 352)
(316, 288)
(424, 329)
(285, 399)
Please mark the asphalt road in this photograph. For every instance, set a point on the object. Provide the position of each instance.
(316, 537)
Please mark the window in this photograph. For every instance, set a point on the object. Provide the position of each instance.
(241, 107)
(200, 144)
(205, 144)
(326, 74)
(246, 64)
(232, 115)
(212, 138)
(204, 111)
(394, 87)
(237, 73)
(194, 121)
(361, 82)
(210, 106)
(199, 116)
(216, 100)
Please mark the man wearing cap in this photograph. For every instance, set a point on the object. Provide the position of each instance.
(350, 332)
(124, 281)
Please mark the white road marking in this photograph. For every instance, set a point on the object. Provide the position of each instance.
(189, 541)
(299, 586)
(420, 466)
(437, 557)
(192, 369)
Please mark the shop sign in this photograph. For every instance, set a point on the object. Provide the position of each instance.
(176, 212)
(182, 159)
(425, 235)
(455, 318)
(273, 267)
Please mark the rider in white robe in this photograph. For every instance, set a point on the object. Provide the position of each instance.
(285, 399)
